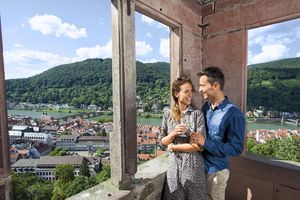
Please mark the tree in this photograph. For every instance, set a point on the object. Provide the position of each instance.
(58, 151)
(289, 149)
(250, 144)
(104, 174)
(59, 190)
(79, 184)
(267, 149)
(41, 190)
(19, 184)
(64, 172)
(103, 133)
(64, 175)
(100, 151)
(84, 169)
(29, 186)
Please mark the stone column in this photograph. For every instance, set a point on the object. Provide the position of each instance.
(123, 153)
(5, 179)
(175, 55)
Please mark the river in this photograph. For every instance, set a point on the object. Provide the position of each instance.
(38, 114)
(153, 121)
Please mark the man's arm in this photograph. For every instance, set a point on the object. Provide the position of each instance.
(235, 138)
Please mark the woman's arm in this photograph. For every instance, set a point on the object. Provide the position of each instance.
(192, 146)
(168, 139)
(187, 147)
(165, 137)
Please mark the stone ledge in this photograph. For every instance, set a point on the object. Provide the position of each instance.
(149, 182)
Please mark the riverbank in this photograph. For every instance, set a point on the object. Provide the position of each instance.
(251, 124)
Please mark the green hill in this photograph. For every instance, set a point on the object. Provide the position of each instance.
(89, 82)
(275, 85)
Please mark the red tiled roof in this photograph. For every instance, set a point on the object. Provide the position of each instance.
(22, 152)
(153, 141)
(143, 156)
(14, 155)
(151, 134)
(160, 152)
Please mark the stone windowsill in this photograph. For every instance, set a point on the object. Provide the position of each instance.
(149, 181)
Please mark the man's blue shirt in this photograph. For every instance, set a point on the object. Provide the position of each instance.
(225, 127)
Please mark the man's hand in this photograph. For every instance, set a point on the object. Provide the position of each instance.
(170, 147)
(197, 138)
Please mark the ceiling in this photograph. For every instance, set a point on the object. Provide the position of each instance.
(202, 2)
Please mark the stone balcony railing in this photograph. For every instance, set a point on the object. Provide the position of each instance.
(251, 177)
(149, 183)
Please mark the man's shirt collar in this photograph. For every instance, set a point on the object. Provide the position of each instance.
(221, 105)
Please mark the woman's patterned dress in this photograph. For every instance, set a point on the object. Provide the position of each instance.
(185, 175)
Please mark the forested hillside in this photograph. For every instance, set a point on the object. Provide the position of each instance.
(275, 85)
(89, 82)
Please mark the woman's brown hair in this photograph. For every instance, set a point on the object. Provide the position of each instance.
(176, 114)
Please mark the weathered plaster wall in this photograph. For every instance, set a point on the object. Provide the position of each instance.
(225, 36)
(183, 17)
(228, 52)
(5, 178)
(225, 45)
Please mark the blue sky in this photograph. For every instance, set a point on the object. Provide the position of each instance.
(274, 42)
(40, 34)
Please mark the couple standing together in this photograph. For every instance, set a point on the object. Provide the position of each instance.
(200, 143)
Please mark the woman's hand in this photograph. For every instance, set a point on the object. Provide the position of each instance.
(179, 130)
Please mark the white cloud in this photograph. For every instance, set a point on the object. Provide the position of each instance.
(25, 63)
(253, 33)
(153, 60)
(297, 31)
(256, 41)
(162, 26)
(268, 53)
(95, 52)
(298, 54)
(50, 24)
(24, 57)
(22, 72)
(279, 38)
(272, 38)
(142, 48)
(152, 22)
(164, 47)
(148, 34)
(148, 20)
(17, 45)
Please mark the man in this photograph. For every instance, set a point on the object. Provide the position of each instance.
(225, 126)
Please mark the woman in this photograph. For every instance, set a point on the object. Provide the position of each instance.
(185, 175)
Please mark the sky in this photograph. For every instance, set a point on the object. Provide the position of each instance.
(40, 34)
(274, 42)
